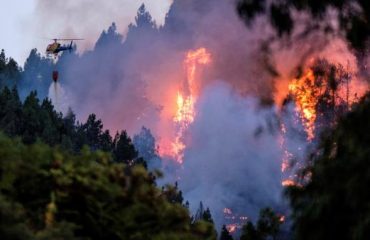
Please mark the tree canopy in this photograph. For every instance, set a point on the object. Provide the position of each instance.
(353, 16)
(332, 200)
(267, 226)
(46, 193)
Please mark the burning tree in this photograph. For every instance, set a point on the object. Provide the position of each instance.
(186, 99)
(268, 225)
(322, 94)
(225, 235)
(333, 204)
(317, 99)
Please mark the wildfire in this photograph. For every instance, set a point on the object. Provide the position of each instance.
(231, 228)
(186, 99)
(227, 211)
(335, 83)
(235, 222)
(288, 183)
(306, 96)
(193, 58)
(320, 95)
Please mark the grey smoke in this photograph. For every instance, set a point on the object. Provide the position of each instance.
(233, 155)
(129, 79)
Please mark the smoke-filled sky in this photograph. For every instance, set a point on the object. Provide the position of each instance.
(132, 77)
(28, 24)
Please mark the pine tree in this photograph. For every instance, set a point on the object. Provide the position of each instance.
(207, 216)
(51, 122)
(32, 120)
(108, 39)
(124, 151)
(93, 130)
(10, 112)
(10, 72)
(105, 141)
(144, 143)
(225, 235)
(249, 232)
(333, 203)
(49, 194)
(173, 194)
(204, 215)
(144, 26)
(36, 75)
(268, 225)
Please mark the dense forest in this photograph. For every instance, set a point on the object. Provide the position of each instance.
(65, 179)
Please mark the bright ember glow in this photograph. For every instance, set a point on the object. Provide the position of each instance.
(310, 93)
(306, 96)
(288, 183)
(308, 89)
(234, 221)
(186, 99)
(231, 228)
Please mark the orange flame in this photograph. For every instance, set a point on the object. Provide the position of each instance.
(186, 99)
(288, 183)
(306, 92)
(306, 98)
(231, 228)
(235, 221)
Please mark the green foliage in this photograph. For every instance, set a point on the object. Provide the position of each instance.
(91, 134)
(225, 235)
(334, 203)
(203, 215)
(207, 216)
(124, 150)
(10, 112)
(46, 193)
(12, 224)
(36, 75)
(268, 225)
(10, 72)
(32, 121)
(173, 194)
(249, 232)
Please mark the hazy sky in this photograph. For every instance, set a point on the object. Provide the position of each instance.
(25, 24)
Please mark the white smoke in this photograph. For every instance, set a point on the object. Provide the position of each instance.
(233, 156)
(86, 19)
(59, 98)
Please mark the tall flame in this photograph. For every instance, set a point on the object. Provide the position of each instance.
(186, 99)
(306, 99)
(306, 92)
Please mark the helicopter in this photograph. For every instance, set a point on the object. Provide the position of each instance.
(56, 47)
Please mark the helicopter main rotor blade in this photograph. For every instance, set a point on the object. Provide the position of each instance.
(68, 39)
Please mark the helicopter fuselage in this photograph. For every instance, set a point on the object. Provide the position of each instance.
(56, 47)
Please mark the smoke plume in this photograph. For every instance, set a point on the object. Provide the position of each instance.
(233, 155)
(131, 75)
